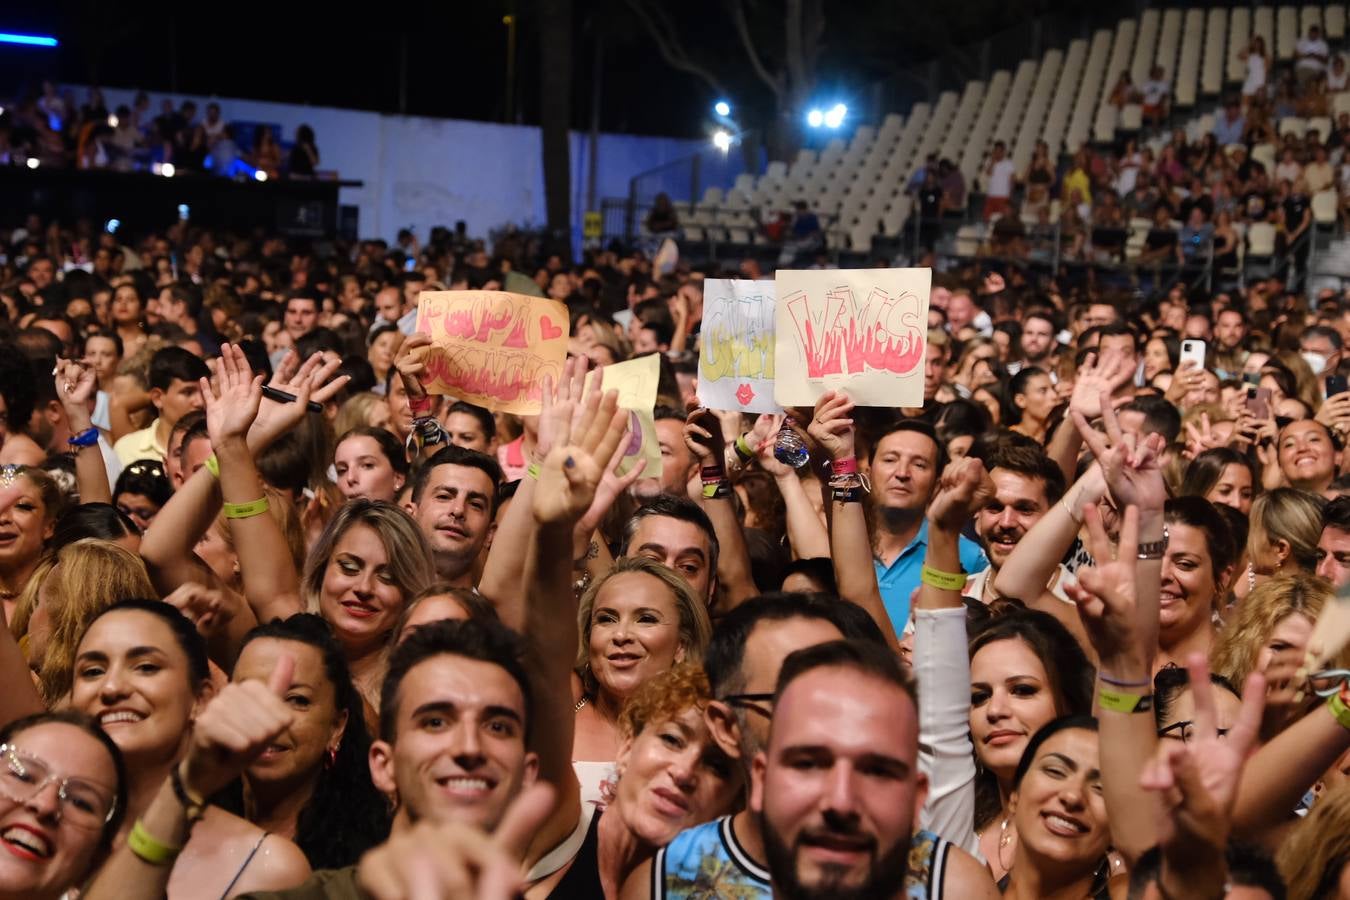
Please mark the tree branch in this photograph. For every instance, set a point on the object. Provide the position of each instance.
(667, 42)
(743, 29)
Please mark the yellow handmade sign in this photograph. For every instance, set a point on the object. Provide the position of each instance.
(492, 348)
(636, 381)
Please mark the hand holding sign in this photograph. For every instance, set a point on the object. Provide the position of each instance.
(492, 348)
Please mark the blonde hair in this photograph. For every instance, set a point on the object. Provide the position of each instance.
(1318, 847)
(1240, 642)
(695, 626)
(1293, 515)
(410, 565)
(87, 577)
(356, 411)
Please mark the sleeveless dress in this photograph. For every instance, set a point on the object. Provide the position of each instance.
(1256, 75)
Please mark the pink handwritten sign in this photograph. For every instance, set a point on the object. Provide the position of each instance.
(863, 330)
(492, 348)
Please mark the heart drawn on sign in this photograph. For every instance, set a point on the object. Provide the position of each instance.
(547, 329)
(745, 394)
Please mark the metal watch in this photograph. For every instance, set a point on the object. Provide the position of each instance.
(1154, 549)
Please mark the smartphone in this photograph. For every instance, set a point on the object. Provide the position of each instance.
(183, 212)
(410, 264)
(1258, 402)
(1193, 350)
(1337, 384)
(112, 226)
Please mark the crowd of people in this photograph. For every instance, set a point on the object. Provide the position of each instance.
(51, 127)
(1199, 194)
(280, 623)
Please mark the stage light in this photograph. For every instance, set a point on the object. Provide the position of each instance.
(166, 170)
(722, 108)
(835, 117)
(259, 175)
(721, 140)
(112, 121)
(815, 118)
(33, 162)
(31, 40)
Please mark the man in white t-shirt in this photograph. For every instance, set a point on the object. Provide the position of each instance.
(1156, 92)
(998, 182)
(1312, 56)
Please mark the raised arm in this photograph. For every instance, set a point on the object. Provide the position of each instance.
(1095, 377)
(1032, 562)
(568, 479)
(850, 544)
(76, 383)
(941, 661)
(807, 534)
(1107, 596)
(270, 582)
(703, 437)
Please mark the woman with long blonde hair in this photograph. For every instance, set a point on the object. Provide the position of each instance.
(1315, 856)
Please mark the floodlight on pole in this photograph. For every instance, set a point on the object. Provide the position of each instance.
(815, 118)
(835, 117)
(722, 140)
(722, 108)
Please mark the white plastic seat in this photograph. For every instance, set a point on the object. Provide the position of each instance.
(1261, 239)
(1324, 205)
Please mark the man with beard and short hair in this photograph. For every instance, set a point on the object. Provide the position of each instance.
(1037, 344)
(1027, 484)
(837, 790)
(743, 663)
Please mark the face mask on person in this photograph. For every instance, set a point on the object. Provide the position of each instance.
(1316, 361)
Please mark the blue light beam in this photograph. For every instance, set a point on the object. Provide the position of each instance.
(31, 40)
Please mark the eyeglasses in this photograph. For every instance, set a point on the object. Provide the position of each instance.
(1184, 731)
(750, 702)
(83, 804)
(1328, 681)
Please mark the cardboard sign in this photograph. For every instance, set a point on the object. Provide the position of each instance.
(863, 330)
(736, 356)
(636, 381)
(492, 348)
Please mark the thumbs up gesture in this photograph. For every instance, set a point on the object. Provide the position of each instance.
(236, 726)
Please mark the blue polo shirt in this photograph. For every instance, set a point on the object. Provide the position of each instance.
(898, 580)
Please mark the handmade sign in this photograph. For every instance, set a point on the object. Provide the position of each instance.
(636, 382)
(492, 348)
(863, 330)
(735, 363)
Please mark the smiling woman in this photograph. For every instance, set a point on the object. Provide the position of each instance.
(141, 671)
(636, 623)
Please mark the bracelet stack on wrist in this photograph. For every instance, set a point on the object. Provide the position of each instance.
(715, 483)
(847, 484)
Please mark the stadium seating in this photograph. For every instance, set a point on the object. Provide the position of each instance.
(858, 186)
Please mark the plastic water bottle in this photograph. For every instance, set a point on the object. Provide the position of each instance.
(789, 449)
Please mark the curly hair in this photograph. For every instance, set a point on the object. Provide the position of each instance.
(1240, 642)
(684, 686)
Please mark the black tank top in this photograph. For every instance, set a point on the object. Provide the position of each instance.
(581, 881)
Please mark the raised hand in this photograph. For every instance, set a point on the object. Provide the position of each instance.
(571, 473)
(235, 727)
(704, 438)
(1188, 377)
(1096, 380)
(1198, 780)
(456, 861)
(964, 488)
(205, 607)
(561, 403)
(76, 384)
(312, 381)
(1129, 465)
(411, 362)
(832, 424)
(1107, 593)
(231, 412)
(1202, 437)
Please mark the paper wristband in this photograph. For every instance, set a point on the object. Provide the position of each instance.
(212, 465)
(86, 438)
(148, 848)
(1339, 710)
(716, 490)
(743, 448)
(532, 470)
(948, 581)
(1118, 701)
(246, 510)
(846, 466)
(854, 495)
